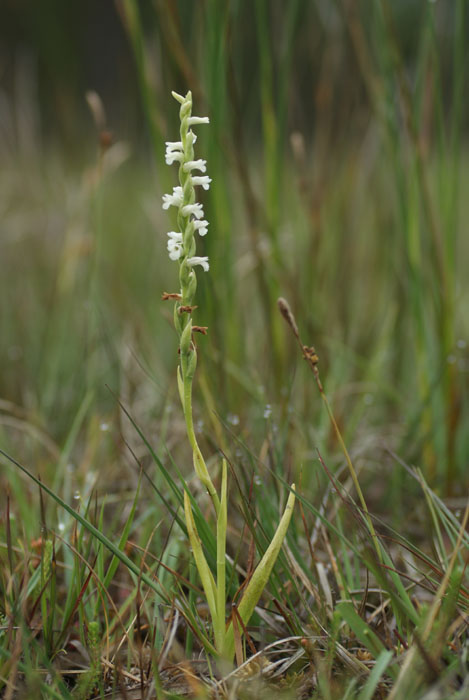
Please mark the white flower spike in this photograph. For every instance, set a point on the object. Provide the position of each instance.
(181, 245)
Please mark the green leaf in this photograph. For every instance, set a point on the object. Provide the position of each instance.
(205, 574)
(261, 575)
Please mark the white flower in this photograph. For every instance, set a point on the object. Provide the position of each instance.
(174, 156)
(174, 199)
(201, 227)
(175, 236)
(203, 180)
(175, 245)
(173, 146)
(174, 152)
(195, 165)
(198, 120)
(194, 209)
(199, 261)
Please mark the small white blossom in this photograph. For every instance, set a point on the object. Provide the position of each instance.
(173, 146)
(173, 157)
(175, 245)
(175, 236)
(203, 180)
(174, 152)
(198, 120)
(175, 252)
(199, 261)
(174, 199)
(201, 227)
(194, 209)
(195, 165)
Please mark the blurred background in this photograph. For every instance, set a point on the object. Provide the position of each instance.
(338, 152)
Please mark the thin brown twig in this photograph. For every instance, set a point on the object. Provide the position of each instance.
(311, 357)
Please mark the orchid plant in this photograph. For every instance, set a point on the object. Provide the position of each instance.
(182, 248)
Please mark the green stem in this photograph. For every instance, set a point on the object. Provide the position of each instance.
(205, 574)
(199, 462)
(220, 628)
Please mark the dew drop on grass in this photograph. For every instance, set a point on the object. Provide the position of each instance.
(61, 527)
(104, 427)
(233, 418)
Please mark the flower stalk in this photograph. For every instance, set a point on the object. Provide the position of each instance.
(182, 248)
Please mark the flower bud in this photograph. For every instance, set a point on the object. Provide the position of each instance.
(191, 364)
(186, 338)
(192, 285)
